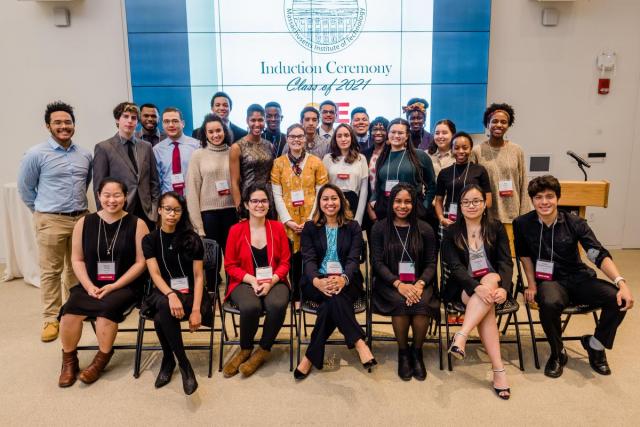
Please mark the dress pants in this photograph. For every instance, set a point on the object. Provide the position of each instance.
(333, 312)
(553, 297)
(295, 273)
(216, 227)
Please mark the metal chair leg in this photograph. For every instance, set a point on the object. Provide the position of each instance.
(518, 342)
(139, 341)
(446, 317)
(235, 327)
(534, 343)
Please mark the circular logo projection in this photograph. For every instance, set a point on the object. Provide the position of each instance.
(325, 26)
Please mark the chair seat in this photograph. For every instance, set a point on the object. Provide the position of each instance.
(231, 307)
(573, 309)
(359, 306)
(509, 306)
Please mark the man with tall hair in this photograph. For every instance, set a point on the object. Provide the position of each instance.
(546, 240)
(131, 160)
(416, 112)
(173, 153)
(149, 125)
(314, 143)
(52, 181)
(328, 110)
(221, 105)
(272, 133)
(360, 125)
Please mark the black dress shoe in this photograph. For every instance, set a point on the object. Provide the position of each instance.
(299, 375)
(417, 362)
(166, 371)
(554, 365)
(405, 368)
(189, 383)
(597, 358)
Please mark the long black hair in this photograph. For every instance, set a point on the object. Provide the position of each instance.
(185, 240)
(488, 227)
(415, 245)
(243, 212)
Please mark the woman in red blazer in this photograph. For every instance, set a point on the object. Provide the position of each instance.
(257, 263)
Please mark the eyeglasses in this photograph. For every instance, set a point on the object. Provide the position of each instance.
(171, 122)
(332, 113)
(295, 137)
(169, 209)
(256, 202)
(474, 202)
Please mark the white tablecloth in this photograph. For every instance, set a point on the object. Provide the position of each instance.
(19, 237)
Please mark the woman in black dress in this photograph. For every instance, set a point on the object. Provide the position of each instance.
(174, 254)
(403, 255)
(107, 259)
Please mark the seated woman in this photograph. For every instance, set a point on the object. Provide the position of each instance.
(174, 255)
(331, 246)
(403, 255)
(476, 251)
(257, 263)
(106, 255)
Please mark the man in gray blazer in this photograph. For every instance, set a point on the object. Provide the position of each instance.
(131, 160)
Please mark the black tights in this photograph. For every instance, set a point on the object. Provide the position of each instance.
(169, 331)
(418, 323)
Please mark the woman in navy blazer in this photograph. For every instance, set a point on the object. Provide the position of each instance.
(331, 244)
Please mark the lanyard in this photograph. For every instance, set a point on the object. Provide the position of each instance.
(251, 247)
(404, 244)
(165, 263)
(398, 168)
(453, 182)
(553, 227)
(110, 246)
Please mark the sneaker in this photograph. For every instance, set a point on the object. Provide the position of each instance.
(50, 331)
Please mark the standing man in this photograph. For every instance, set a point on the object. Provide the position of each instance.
(314, 143)
(174, 152)
(149, 121)
(52, 181)
(547, 242)
(328, 117)
(273, 116)
(416, 111)
(131, 160)
(221, 105)
(360, 125)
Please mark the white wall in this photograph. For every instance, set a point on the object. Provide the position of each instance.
(548, 74)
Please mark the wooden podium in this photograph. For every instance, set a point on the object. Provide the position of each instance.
(576, 196)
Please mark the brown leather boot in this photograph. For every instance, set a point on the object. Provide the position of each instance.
(256, 360)
(92, 372)
(70, 368)
(231, 368)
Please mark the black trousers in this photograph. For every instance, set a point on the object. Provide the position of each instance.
(251, 306)
(553, 297)
(295, 273)
(333, 312)
(216, 227)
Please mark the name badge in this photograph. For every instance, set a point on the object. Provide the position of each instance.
(388, 186)
(544, 270)
(180, 284)
(177, 181)
(407, 272)
(264, 274)
(297, 198)
(453, 212)
(478, 264)
(107, 271)
(223, 187)
(343, 176)
(334, 268)
(505, 188)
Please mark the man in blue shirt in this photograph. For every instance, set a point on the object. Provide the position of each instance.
(174, 152)
(52, 182)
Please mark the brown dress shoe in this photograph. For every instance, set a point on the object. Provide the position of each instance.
(70, 369)
(92, 372)
(231, 368)
(256, 360)
(50, 331)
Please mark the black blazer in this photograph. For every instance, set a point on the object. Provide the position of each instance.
(313, 246)
(457, 261)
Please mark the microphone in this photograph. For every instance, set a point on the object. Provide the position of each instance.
(580, 160)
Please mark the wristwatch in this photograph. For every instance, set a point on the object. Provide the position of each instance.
(618, 280)
(421, 283)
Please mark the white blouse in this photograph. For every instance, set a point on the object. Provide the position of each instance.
(350, 177)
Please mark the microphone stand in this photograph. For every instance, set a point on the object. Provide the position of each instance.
(583, 171)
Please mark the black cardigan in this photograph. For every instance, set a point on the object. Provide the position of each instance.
(457, 261)
(313, 246)
(387, 274)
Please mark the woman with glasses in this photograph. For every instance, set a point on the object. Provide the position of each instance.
(348, 169)
(403, 256)
(378, 132)
(331, 247)
(454, 178)
(106, 255)
(257, 263)
(401, 162)
(475, 251)
(174, 254)
(296, 178)
(440, 150)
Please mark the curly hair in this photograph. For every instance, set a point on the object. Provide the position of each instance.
(491, 109)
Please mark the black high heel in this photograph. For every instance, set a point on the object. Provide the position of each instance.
(370, 364)
(501, 390)
(299, 375)
(456, 351)
(165, 374)
(189, 383)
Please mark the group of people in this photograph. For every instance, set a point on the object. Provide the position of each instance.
(289, 210)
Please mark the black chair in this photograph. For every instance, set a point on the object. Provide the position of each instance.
(568, 312)
(510, 307)
(211, 260)
(361, 305)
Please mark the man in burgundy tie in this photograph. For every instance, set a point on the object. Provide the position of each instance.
(173, 153)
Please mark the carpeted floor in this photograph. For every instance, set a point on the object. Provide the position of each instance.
(342, 394)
